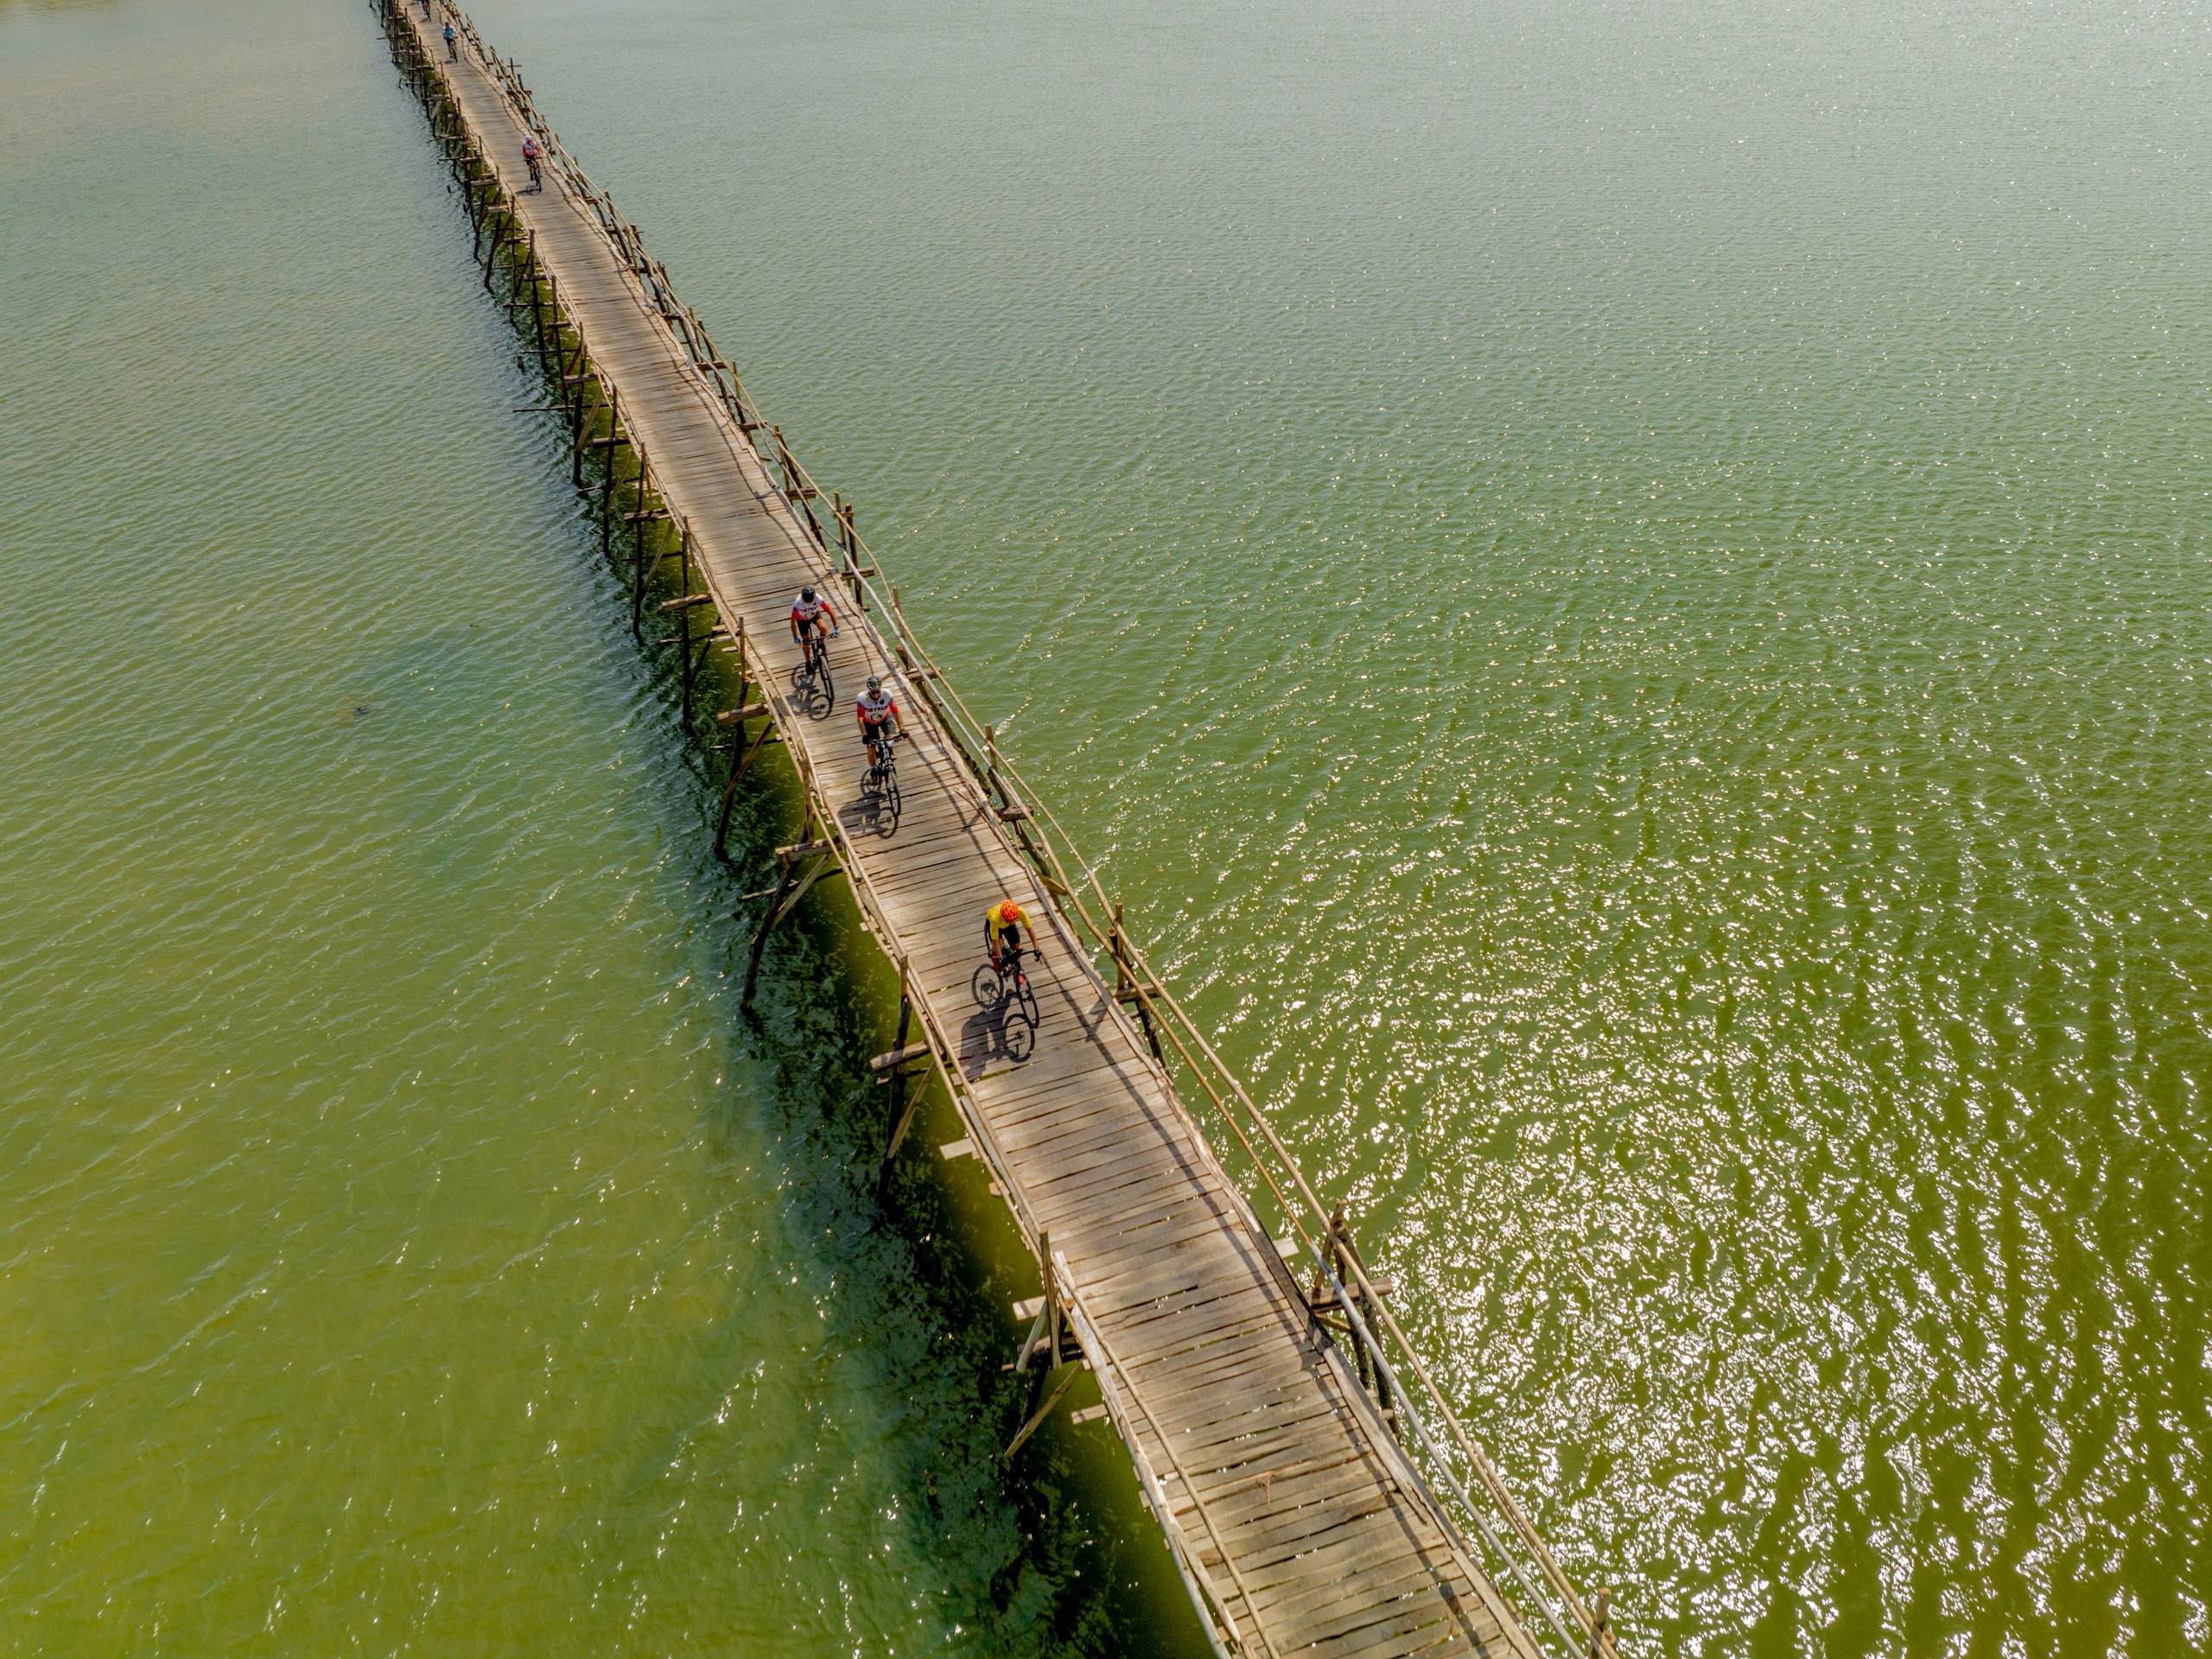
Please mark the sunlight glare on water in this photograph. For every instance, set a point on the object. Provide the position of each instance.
(1620, 589)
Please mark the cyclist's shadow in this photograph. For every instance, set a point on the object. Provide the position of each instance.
(813, 692)
(1002, 1027)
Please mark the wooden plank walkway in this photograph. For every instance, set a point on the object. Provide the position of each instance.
(1291, 1509)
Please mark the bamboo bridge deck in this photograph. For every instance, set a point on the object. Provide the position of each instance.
(1299, 1523)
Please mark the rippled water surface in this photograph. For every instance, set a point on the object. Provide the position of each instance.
(1622, 590)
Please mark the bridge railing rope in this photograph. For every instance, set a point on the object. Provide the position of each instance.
(1451, 1460)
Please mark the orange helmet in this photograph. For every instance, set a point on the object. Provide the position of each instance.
(1011, 911)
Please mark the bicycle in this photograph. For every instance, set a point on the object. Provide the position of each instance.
(537, 178)
(813, 675)
(883, 778)
(1004, 989)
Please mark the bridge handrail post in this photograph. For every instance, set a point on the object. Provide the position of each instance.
(1442, 1465)
(1485, 1471)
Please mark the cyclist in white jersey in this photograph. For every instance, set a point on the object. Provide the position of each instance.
(808, 611)
(877, 711)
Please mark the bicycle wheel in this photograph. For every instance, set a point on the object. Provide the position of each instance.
(1027, 998)
(887, 816)
(986, 986)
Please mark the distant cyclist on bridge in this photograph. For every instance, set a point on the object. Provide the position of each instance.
(453, 48)
(531, 149)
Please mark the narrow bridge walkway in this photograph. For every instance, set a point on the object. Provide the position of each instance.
(1298, 1521)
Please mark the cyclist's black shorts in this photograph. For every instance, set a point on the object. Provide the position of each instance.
(875, 730)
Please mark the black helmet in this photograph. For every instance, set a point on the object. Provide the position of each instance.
(873, 684)
(806, 593)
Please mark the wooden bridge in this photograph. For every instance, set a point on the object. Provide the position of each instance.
(1318, 1493)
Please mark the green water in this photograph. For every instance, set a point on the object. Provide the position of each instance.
(1622, 591)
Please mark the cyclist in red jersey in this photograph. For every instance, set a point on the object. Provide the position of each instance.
(877, 710)
(807, 612)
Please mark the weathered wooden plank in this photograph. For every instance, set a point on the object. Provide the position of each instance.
(1420, 1621)
(1391, 1640)
(1407, 1590)
(1139, 1181)
(1277, 1488)
(1209, 1446)
(1191, 1314)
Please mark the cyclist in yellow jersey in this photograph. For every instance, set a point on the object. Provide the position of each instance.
(1003, 930)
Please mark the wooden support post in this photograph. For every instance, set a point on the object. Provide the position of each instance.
(606, 485)
(741, 757)
(784, 460)
(1352, 1274)
(1037, 1417)
(537, 304)
(479, 204)
(848, 544)
(491, 259)
(1046, 1330)
(639, 572)
(774, 912)
(1126, 988)
(818, 858)
(526, 246)
(1053, 1316)
(901, 1114)
(684, 558)
(1339, 1264)
(549, 332)
(1601, 1618)
(991, 763)
(736, 776)
(1029, 1343)
(794, 492)
(575, 374)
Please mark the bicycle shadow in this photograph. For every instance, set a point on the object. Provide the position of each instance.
(812, 693)
(1002, 1029)
(869, 813)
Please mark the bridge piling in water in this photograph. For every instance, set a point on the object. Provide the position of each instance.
(1299, 1479)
